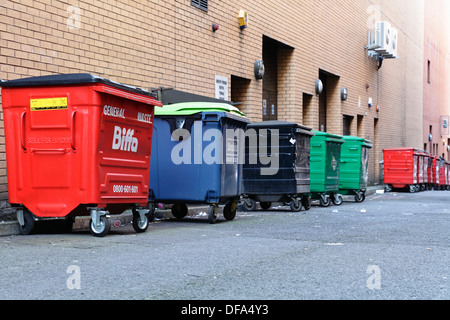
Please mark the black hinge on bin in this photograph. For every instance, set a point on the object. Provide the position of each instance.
(181, 122)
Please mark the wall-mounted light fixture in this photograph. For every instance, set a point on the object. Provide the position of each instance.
(319, 86)
(344, 94)
(370, 102)
(215, 27)
(259, 69)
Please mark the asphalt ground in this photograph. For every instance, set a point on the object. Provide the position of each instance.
(393, 246)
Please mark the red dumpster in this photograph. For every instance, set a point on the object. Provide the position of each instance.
(77, 142)
(421, 169)
(401, 168)
(443, 173)
(429, 171)
(435, 173)
(448, 175)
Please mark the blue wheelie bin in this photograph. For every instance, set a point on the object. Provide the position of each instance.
(197, 157)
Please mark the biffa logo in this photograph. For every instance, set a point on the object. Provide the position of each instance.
(123, 140)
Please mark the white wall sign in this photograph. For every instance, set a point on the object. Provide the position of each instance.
(221, 84)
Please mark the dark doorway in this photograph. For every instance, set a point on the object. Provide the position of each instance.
(308, 111)
(329, 102)
(270, 81)
(323, 103)
(239, 92)
(347, 125)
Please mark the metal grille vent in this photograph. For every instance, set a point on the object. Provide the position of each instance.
(201, 4)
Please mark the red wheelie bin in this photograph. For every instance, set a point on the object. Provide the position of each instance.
(443, 173)
(77, 144)
(423, 169)
(434, 180)
(401, 168)
(447, 163)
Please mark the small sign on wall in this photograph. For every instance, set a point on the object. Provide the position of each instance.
(221, 84)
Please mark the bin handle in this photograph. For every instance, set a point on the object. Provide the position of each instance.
(73, 131)
(22, 128)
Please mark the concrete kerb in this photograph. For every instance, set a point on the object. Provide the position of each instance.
(8, 228)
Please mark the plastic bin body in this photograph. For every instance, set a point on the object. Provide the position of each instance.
(197, 178)
(435, 171)
(448, 174)
(325, 162)
(420, 169)
(401, 167)
(292, 179)
(443, 172)
(430, 170)
(354, 164)
(76, 141)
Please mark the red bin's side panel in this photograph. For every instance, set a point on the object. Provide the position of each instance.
(442, 172)
(448, 173)
(124, 151)
(435, 173)
(49, 161)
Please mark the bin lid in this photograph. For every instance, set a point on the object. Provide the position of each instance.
(403, 149)
(69, 79)
(281, 124)
(190, 108)
(329, 136)
(364, 142)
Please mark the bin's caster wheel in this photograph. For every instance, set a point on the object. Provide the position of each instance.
(412, 188)
(179, 210)
(212, 213)
(140, 220)
(229, 212)
(295, 205)
(337, 199)
(306, 203)
(324, 200)
(388, 188)
(249, 204)
(101, 228)
(360, 196)
(265, 205)
(26, 222)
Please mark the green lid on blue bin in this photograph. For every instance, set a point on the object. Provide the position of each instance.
(190, 108)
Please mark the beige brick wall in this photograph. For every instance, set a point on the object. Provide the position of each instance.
(170, 43)
(436, 92)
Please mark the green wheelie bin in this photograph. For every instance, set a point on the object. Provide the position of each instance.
(354, 167)
(325, 156)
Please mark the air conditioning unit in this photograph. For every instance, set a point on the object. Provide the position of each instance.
(383, 37)
(394, 45)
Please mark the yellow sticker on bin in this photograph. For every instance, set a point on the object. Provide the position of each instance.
(48, 104)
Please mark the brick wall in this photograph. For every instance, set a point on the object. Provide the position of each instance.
(171, 43)
(436, 78)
